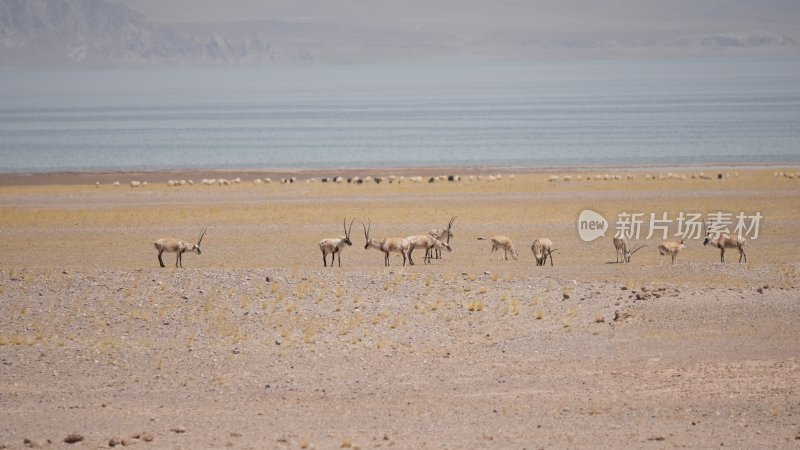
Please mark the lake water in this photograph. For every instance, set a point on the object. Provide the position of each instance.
(556, 113)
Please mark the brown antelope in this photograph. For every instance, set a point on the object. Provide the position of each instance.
(171, 245)
(671, 248)
(542, 248)
(427, 242)
(333, 246)
(387, 246)
(503, 242)
(621, 245)
(444, 235)
(724, 241)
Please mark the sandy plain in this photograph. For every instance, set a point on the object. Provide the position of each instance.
(255, 345)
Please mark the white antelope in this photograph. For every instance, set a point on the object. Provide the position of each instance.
(171, 245)
(443, 235)
(724, 241)
(387, 246)
(621, 245)
(427, 242)
(334, 246)
(503, 242)
(542, 248)
(671, 248)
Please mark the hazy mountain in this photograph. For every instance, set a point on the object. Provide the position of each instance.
(109, 33)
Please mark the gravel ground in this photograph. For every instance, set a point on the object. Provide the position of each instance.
(255, 345)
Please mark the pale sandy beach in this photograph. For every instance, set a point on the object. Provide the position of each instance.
(254, 344)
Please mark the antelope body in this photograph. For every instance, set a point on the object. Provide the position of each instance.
(332, 246)
(443, 234)
(387, 246)
(171, 245)
(621, 246)
(503, 242)
(723, 242)
(671, 248)
(427, 242)
(542, 248)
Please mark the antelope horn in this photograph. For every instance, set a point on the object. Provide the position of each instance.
(202, 233)
(366, 232)
(637, 249)
(350, 228)
(449, 225)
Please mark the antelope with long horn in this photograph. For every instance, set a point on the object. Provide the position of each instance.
(334, 246)
(387, 246)
(444, 235)
(542, 248)
(671, 248)
(621, 245)
(427, 242)
(724, 241)
(503, 242)
(171, 245)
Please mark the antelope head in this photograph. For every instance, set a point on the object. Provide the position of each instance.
(450, 228)
(366, 233)
(347, 231)
(196, 247)
(708, 238)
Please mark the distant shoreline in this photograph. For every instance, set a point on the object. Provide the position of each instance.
(158, 176)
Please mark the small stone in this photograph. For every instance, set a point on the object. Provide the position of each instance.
(129, 441)
(566, 296)
(113, 442)
(178, 430)
(73, 438)
(147, 437)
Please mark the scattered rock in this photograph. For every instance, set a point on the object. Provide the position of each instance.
(178, 430)
(115, 441)
(566, 296)
(30, 443)
(147, 437)
(73, 438)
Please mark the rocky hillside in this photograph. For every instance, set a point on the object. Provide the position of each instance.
(105, 33)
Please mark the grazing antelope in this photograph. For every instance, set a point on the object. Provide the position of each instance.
(427, 242)
(178, 246)
(387, 246)
(671, 248)
(444, 235)
(724, 241)
(333, 246)
(503, 242)
(621, 245)
(542, 248)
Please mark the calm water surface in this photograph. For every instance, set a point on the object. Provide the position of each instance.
(497, 114)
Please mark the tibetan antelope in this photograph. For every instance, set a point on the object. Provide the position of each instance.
(171, 245)
(333, 246)
(621, 245)
(444, 235)
(503, 242)
(427, 242)
(671, 248)
(542, 248)
(387, 246)
(724, 241)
